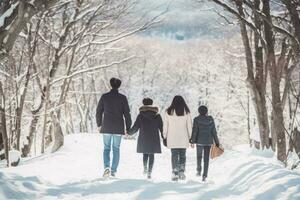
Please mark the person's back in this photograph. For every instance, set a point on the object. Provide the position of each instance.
(206, 131)
(111, 111)
(203, 135)
(149, 124)
(115, 108)
(177, 132)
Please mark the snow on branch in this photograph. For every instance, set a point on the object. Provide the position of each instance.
(236, 14)
(7, 14)
(91, 69)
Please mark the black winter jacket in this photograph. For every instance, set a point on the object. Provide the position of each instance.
(149, 123)
(111, 110)
(204, 131)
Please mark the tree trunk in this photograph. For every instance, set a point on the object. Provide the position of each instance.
(3, 123)
(278, 120)
(257, 84)
(58, 134)
(275, 77)
(14, 24)
(19, 109)
(32, 129)
(296, 141)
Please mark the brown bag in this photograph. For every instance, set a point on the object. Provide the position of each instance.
(216, 151)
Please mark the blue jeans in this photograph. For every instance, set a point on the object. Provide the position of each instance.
(114, 141)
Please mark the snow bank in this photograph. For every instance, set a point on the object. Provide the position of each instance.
(14, 157)
(75, 172)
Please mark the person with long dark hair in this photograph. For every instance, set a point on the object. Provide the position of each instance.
(177, 132)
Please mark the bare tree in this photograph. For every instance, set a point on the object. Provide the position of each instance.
(14, 16)
(268, 33)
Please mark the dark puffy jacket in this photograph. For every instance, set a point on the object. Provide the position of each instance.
(149, 123)
(204, 131)
(111, 111)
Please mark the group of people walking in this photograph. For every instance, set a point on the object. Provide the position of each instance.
(176, 129)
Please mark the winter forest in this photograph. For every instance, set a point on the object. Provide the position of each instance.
(239, 58)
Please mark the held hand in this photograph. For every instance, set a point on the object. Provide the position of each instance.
(192, 145)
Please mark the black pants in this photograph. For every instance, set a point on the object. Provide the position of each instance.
(148, 160)
(178, 160)
(200, 151)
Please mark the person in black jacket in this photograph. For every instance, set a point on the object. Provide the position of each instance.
(111, 110)
(204, 134)
(149, 123)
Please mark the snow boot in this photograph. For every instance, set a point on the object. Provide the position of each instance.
(204, 178)
(113, 174)
(175, 176)
(182, 176)
(198, 174)
(149, 175)
(106, 173)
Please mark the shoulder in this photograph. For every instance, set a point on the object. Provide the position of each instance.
(166, 114)
(139, 116)
(210, 118)
(187, 116)
(122, 96)
(158, 116)
(105, 94)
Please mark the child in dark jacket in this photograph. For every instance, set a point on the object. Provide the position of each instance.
(149, 123)
(203, 135)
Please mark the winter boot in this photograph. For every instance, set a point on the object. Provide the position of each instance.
(204, 178)
(198, 173)
(106, 173)
(149, 175)
(182, 176)
(113, 174)
(175, 176)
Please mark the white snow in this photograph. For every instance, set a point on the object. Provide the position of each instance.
(74, 172)
(14, 156)
(7, 13)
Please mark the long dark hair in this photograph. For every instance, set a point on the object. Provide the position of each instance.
(179, 106)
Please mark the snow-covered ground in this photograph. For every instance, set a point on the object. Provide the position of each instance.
(75, 172)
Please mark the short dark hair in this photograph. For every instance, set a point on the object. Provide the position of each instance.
(202, 110)
(115, 83)
(147, 101)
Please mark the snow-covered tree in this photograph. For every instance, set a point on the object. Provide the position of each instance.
(273, 50)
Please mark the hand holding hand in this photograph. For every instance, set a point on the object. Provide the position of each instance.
(192, 145)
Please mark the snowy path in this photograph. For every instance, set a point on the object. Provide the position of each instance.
(75, 173)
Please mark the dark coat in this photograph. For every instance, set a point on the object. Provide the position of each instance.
(111, 110)
(204, 131)
(149, 123)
